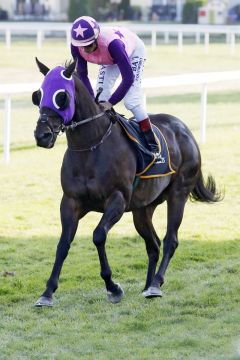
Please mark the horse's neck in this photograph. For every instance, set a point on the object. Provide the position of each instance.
(88, 134)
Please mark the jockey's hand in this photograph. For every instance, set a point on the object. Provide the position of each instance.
(106, 105)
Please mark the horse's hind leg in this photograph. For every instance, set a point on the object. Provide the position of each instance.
(175, 208)
(70, 215)
(113, 212)
(143, 223)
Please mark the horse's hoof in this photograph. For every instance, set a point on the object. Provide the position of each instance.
(152, 292)
(115, 297)
(44, 301)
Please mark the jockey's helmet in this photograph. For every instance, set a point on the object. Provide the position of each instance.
(85, 31)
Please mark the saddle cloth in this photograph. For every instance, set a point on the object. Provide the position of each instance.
(147, 167)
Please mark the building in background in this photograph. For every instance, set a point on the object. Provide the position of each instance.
(216, 11)
(161, 10)
(51, 10)
(57, 10)
(219, 12)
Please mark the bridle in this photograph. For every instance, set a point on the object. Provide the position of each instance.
(94, 147)
(44, 119)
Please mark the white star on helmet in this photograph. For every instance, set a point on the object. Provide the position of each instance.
(79, 30)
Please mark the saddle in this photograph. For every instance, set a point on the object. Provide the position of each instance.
(147, 167)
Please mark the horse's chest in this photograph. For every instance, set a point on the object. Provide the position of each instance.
(92, 188)
(80, 186)
(73, 186)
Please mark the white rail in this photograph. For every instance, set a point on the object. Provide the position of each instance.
(40, 29)
(203, 79)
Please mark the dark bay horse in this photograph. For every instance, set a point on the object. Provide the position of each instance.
(98, 173)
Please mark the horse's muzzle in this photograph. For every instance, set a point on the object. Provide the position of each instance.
(44, 139)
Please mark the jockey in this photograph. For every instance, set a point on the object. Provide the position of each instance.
(118, 51)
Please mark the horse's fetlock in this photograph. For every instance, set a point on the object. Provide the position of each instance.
(53, 285)
(159, 281)
(106, 275)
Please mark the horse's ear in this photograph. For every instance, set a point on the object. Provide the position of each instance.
(70, 69)
(43, 68)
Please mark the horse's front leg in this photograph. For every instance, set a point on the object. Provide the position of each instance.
(70, 215)
(113, 212)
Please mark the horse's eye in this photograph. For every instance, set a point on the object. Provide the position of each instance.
(36, 97)
(61, 99)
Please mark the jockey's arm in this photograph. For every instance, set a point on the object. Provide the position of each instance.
(118, 53)
(82, 69)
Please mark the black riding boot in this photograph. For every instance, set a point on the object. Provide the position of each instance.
(151, 141)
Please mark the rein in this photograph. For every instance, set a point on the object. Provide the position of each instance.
(44, 119)
(73, 125)
(94, 147)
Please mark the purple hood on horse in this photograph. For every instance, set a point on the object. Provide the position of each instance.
(58, 93)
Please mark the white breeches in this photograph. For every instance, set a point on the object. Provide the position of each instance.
(133, 100)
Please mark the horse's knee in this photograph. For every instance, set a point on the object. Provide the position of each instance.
(99, 236)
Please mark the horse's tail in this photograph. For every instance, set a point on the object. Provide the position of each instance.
(206, 191)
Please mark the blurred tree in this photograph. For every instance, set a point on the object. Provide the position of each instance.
(90, 8)
(78, 8)
(126, 10)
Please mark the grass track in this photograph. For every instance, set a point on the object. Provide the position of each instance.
(198, 317)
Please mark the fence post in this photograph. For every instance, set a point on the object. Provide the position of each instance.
(232, 43)
(198, 37)
(68, 38)
(7, 126)
(203, 114)
(8, 38)
(154, 39)
(166, 37)
(39, 39)
(180, 42)
(206, 42)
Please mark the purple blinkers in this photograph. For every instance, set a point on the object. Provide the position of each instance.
(58, 93)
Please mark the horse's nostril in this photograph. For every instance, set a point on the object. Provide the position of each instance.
(43, 136)
(44, 139)
(47, 136)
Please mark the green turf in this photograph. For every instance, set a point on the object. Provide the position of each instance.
(198, 316)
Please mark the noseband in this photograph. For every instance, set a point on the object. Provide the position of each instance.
(44, 119)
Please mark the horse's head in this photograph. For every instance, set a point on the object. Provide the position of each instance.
(56, 103)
